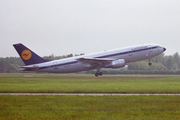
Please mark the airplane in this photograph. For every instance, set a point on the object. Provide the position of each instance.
(115, 58)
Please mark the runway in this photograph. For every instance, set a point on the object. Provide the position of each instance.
(88, 94)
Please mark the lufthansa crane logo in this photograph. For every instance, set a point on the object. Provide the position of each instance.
(26, 54)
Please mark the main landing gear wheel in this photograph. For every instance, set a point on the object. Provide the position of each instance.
(98, 73)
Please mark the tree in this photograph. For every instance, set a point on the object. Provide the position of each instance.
(158, 59)
(177, 59)
(170, 63)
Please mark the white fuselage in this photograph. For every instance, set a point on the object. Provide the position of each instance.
(129, 54)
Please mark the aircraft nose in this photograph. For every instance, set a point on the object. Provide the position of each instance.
(164, 48)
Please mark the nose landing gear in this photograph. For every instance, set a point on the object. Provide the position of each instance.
(150, 63)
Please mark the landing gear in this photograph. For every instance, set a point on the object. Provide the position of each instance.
(150, 63)
(98, 73)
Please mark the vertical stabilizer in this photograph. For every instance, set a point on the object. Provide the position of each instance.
(27, 55)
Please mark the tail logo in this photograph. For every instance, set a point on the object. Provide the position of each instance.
(26, 54)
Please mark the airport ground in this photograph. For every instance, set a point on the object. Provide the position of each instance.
(151, 105)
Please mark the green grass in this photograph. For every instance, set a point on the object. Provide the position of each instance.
(73, 83)
(90, 107)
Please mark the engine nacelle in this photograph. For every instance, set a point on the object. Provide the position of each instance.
(116, 64)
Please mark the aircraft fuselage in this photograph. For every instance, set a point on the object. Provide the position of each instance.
(129, 54)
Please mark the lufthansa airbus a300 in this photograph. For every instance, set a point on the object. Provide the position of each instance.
(116, 58)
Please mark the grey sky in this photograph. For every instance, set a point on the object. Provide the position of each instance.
(62, 27)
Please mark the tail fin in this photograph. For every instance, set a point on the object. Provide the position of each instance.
(28, 56)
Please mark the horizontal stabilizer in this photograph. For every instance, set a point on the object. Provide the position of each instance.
(28, 68)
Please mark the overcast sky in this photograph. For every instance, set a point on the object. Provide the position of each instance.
(61, 27)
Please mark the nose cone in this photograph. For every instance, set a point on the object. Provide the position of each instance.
(164, 48)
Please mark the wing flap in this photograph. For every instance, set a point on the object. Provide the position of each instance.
(95, 61)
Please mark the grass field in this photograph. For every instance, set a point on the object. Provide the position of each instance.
(89, 107)
(73, 83)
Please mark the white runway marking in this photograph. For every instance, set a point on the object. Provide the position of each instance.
(87, 94)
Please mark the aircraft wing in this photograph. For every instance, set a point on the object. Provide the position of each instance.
(95, 61)
(28, 68)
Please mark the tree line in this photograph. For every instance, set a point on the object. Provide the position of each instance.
(12, 64)
(159, 63)
(162, 64)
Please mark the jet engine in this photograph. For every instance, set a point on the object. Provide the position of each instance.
(116, 64)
